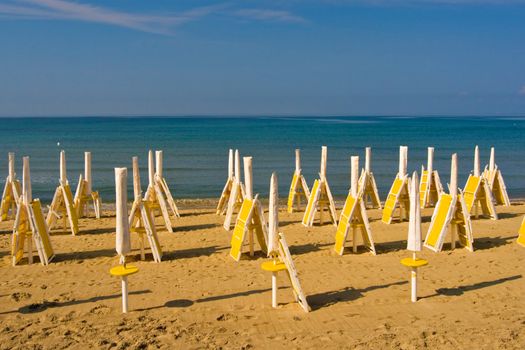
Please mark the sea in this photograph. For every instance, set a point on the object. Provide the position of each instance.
(196, 149)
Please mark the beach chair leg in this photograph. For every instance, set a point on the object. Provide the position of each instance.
(274, 289)
(250, 237)
(453, 236)
(142, 254)
(64, 217)
(354, 239)
(321, 209)
(29, 249)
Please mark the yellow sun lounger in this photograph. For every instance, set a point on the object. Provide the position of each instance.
(30, 225)
(370, 194)
(141, 218)
(429, 188)
(450, 212)
(284, 254)
(298, 187)
(353, 216)
(521, 237)
(477, 194)
(141, 222)
(320, 196)
(497, 186)
(12, 191)
(495, 180)
(397, 197)
(225, 195)
(367, 183)
(250, 218)
(63, 204)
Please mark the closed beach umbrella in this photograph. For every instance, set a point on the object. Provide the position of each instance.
(414, 223)
(122, 240)
(414, 235)
(273, 217)
(122, 243)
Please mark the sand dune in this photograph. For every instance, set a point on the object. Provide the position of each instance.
(198, 297)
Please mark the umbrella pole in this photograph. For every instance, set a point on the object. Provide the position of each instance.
(124, 281)
(414, 279)
(274, 289)
(414, 284)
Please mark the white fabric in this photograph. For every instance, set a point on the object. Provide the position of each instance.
(122, 241)
(273, 225)
(414, 224)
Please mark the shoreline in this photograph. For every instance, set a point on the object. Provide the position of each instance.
(211, 203)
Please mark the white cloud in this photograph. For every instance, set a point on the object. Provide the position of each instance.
(75, 11)
(153, 23)
(268, 15)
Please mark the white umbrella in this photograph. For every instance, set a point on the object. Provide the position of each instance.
(273, 223)
(414, 223)
(122, 242)
(414, 235)
(122, 239)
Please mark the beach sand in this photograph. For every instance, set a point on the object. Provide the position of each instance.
(199, 297)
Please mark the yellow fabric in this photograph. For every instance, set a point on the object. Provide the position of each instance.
(471, 188)
(521, 237)
(391, 201)
(439, 220)
(20, 231)
(423, 188)
(344, 223)
(291, 194)
(240, 229)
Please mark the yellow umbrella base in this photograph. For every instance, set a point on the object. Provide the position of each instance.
(409, 262)
(123, 270)
(273, 266)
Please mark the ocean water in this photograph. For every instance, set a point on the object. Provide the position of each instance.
(196, 149)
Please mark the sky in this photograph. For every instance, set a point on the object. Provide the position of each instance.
(274, 57)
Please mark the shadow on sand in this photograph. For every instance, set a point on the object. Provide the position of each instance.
(318, 301)
(192, 253)
(39, 307)
(462, 289)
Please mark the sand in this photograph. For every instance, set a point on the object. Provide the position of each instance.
(198, 297)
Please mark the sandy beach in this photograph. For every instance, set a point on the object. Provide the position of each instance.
(198, 297)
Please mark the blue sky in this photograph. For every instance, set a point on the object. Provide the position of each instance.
(310, 57)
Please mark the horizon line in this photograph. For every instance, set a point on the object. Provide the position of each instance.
(174, 116)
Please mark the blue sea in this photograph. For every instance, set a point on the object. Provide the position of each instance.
(196, 149)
